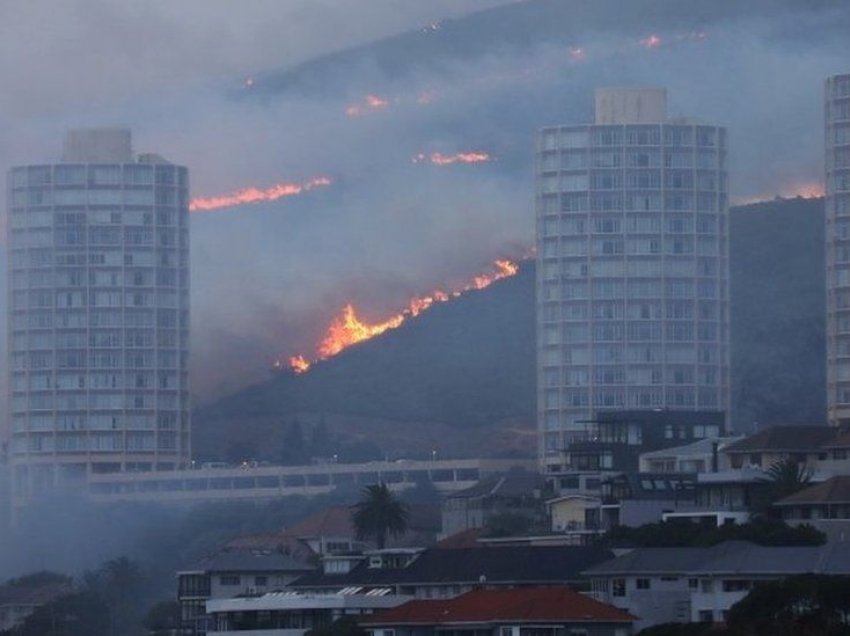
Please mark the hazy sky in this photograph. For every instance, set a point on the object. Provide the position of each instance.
(267, 279)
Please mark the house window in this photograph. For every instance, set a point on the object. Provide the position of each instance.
(618, 587)
(693, 584)
(642, 584)
(706, 616)
(261, 580)
(229, 579)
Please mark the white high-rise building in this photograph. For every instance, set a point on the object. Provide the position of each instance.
(838, 249)
(632, 274)
(98, 322)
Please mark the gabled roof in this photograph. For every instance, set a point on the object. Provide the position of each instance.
(792, 439)
(529, 605)
(249, 561)
(330, 522)
(729, 557)
(507, 564)
(833, 490)
(840, 441)
(697, 448)
(514, 483)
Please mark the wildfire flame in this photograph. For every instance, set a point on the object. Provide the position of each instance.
(367, 104)
(298, 363)
(439, 159)
(805, 190)
(577, 54)
(256, 195)
(652, 41)
(348, 328)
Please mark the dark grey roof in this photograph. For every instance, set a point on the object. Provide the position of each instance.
(730, 557)
(657, 486)
(834, 490)
(249, 561)
(792, 439)
(527, 564)
(514, 483)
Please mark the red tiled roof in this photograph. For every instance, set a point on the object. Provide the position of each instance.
(530, 604)
(330, 522)
(834, 490)
(463, 539)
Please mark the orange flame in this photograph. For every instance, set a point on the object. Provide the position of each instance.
(299, 364)
(804, 189)
(651, 41)
(255, 195)
(367, 104)
(348, 329)
(439, 159)
(577, 54)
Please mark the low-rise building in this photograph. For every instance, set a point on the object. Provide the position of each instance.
(702, 456)
(803, 444)
(231, 573)
(551, 611)
(516, 492)
(292, 613)
(664, 585)
(826, 506)
(446, 573)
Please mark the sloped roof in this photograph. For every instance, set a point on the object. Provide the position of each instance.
(699, 447)
(793, 439)
(250, 561)
(840, 441)
(730, 557)
(530, 604)
(464, 539)
(833, 490)
(514, 483)
(330, 522)
(506, 564)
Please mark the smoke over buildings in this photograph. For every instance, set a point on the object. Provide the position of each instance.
(212, 91)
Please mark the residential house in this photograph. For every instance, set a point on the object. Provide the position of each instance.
(664, 585)
(533, 611)
(230, 573)
(825, 506)
(292, 613)
(517, 492)
(446, 573)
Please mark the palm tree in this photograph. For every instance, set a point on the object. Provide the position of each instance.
(379, 513)
(786, 477)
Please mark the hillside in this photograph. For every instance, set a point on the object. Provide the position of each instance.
(460, 378)
(466, 364)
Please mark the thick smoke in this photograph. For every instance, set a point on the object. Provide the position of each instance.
(267, 278)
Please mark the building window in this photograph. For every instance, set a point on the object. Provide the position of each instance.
(642, 584)
(706, 616)
(261, 580)
(618, 587)
(693, 584)
(229, 579)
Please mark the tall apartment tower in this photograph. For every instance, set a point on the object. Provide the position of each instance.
(98, 330)
(837, 164)
(632, 275)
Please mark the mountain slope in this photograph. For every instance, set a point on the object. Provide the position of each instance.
(463, 372)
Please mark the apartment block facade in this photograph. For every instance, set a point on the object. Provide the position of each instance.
(632, 277)
(98, 325)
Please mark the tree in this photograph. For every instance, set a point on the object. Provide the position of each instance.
(379, 513)
(786, 477)
(345, 626)
(162, 618)
(804, 605)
